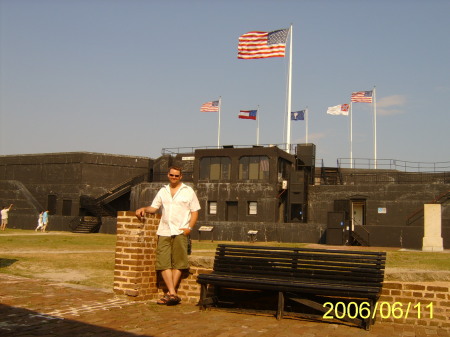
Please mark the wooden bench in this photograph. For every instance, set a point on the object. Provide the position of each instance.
(348, 280)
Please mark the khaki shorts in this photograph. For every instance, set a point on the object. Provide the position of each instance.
(172, 252)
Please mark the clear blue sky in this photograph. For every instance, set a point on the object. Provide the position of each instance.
(129, 76)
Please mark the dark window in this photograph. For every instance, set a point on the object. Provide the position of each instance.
(254, 168)
(67, 207)
(215, 168)
(283, 168)
(51, 203)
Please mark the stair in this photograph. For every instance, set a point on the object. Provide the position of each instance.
(418, 214)
(360, 236)
(88, 224)
(331, 176)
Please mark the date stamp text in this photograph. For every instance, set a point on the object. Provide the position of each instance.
(364, 310)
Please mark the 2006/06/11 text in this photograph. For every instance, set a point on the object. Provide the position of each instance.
(396, 310)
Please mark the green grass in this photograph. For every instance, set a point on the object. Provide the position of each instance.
(418, 260)
(88, 259)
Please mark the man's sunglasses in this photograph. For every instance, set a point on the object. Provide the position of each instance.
(174, 175)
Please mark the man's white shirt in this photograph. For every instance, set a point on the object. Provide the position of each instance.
(176, 210)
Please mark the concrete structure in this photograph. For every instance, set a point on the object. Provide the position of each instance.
(69, 185)
(277, 195)
(432, 240)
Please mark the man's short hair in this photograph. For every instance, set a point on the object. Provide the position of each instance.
(173, 167)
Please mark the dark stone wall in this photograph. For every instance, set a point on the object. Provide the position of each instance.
(67, 176)
(400, 201)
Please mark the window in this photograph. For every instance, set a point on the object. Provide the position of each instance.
(252, 208)
(51, 203)
(67, 207)
(215, 168)
(283, 166)
(212, 207)
(254, 168)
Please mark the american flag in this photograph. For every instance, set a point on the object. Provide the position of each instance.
(258, 45)
(212, 106)
(362, 97)
(248, 114)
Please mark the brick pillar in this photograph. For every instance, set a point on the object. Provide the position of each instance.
(134, 272)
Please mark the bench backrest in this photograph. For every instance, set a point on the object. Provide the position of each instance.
(338, 266)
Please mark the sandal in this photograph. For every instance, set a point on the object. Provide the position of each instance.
(164, 300)
(173, 300)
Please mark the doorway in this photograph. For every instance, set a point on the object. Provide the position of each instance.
(232, 211)
(358, 211)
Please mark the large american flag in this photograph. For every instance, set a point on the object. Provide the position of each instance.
(257, 45)
(211, 106)
(362, 97)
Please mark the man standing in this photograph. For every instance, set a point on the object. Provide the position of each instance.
(180, 208)
(4, 214)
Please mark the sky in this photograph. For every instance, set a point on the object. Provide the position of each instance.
(129, 76)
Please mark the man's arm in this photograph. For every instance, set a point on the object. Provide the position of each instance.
(192, 222)
(141, 211)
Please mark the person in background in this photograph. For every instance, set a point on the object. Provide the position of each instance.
(40, 221)
(45, 220)
(4, 212)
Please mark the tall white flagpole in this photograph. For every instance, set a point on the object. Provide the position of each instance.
(306, 122)
(288, 136)
(257, 125)
(351, 134)
(218, 128)
(374, 126)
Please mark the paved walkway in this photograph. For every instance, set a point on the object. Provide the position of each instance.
(30, 307)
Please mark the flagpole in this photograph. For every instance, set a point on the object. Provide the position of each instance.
(257, 125)
(351, 134)
(218, 128)
(375, 126)
(288, 136)
(306, 120)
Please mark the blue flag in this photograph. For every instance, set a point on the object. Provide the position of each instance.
(298, 115)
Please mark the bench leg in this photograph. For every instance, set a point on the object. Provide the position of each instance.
(203, 292)
(280, 309)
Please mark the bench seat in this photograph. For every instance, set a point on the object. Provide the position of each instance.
(298, 273)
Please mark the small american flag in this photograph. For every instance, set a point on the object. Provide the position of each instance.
(212, 106)
(362, 97)
(257, 45)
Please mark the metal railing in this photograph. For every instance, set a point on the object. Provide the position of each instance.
(181, 150)
(394, 164)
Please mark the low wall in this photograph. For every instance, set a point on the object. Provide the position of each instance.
(135, 277)
(267, 231)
